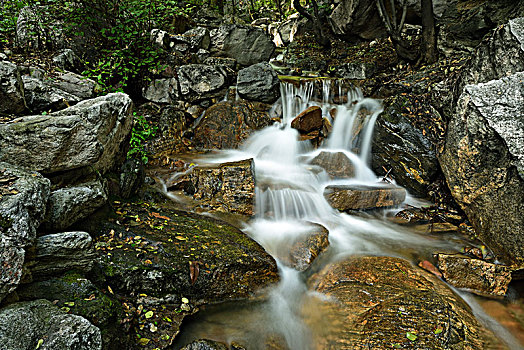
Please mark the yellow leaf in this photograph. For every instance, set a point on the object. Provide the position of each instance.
(149, 314)
(143, 341)
(110, 290)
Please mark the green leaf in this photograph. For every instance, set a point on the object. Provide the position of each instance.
(438, 330)
(411, 336)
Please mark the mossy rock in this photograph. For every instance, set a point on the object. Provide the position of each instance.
(160, 251)
(77, 295)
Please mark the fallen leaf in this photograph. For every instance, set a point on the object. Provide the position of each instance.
(426, 265)
(149, 314)
(193, 271)
(411, 336)
(143, 341)
(40, 342)
(110, 290)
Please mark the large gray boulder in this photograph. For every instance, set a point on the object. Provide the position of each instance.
(11, 89)
(68, 205)
(60, 252)
(247, 44)
(41, 325)
(90, 133)
(258, 82)
(23, 196)
(200, 81)
(483, 161)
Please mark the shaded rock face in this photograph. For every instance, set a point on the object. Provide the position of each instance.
(246, 44)
(226, 124)
(23, 196)
(101, 309)
(200, 81)
(308, 120)
(68, 205)
(356, 19)
(402, 147)
(474, 275)
(223, 263)
(12, 98)
(498, 57)
(258, 82)
(60, 252)
(132, 176)
(344, 197)
(90, 133)
(41, 96)
(22, 325)
(229, 187)
(162, 91)
(336, 164)
(483, 162)
(375, 301)
(463, 24)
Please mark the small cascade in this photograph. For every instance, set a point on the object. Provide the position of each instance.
(290, 197)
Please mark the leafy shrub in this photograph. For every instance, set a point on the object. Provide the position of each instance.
(142, 132)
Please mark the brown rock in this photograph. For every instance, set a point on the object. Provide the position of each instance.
(227, 187)
(308, 120)
(475, 275)
(344, 197)
(226, 124)
(373, 302)
(306, 248)
(336, 164)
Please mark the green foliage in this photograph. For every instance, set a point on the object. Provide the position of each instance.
(8, 18)
(142, 131)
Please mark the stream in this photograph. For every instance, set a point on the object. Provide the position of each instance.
(289, 200)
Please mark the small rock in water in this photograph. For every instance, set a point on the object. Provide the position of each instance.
(306, 248)
(309, 120)
(475, 275)
(336, 164)
(204, 344)
(343, 197)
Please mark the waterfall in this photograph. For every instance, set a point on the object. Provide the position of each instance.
(289, 196)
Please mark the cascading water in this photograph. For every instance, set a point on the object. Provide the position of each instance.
(289, 197)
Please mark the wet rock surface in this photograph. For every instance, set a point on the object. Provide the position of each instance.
(306, 248)
(26, 325)
(384, 302)
(308, 120)
(336, 164)
(402, 149)
(347, 197)
(226, 124)
(228, 187)
(475, 275)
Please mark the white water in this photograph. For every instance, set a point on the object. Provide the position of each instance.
(289, 196)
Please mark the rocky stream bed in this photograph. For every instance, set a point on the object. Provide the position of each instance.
(281, 208)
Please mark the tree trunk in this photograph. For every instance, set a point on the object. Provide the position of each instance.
(429, 36)
(319, 31)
